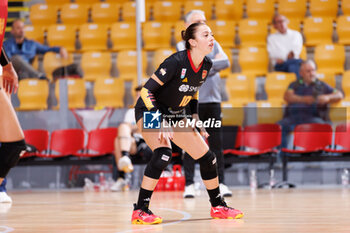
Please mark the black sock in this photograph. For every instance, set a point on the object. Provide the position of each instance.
(125, 153)
(144, 198)
(215, 197)
(121, 174)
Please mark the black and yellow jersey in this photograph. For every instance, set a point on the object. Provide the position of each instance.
(181, 82)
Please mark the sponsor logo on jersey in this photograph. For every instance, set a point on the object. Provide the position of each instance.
(183, 73)
(184, 80)
(186, 88)
(204, 74)
(162, 71)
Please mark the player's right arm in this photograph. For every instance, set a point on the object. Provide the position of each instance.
(163, 74)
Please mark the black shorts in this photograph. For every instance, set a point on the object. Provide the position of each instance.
(140, 108)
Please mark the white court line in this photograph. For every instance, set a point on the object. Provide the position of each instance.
(185, 214)
(6, 229)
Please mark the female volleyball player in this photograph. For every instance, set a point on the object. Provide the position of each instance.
(170, 89)
(11, 136)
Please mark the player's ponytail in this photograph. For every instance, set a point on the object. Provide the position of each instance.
(189, 33)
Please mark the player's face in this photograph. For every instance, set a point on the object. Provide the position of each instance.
(204, 39)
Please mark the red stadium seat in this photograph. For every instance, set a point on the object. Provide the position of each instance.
(310, 138)
(259, 139)
(65, 142)
(39, 138)
(341, 139)
(100, 142)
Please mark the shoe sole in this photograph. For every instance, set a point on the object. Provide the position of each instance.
(227, 195)
(140, 222)
(238, 216)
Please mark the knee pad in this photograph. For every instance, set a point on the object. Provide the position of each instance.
(160, 159)
(10, 152)
(208, 166)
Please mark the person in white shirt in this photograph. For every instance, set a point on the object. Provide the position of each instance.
(284, 46)
(129, 145)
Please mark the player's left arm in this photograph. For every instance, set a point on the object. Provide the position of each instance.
(9, 75)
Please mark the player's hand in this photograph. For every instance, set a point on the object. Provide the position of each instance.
(9, 79)
(204, 132)
(165, 133)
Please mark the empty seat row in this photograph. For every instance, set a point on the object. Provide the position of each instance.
(109, 92)
(163, 35)
(108, 12)
(33, 94)
(265, 111)
(96, 36)
(97, 65)
(70, 142)
(330, 59)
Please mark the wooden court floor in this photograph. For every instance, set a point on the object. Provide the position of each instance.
(272, 211)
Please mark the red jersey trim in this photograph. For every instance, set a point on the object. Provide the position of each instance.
(191, 62)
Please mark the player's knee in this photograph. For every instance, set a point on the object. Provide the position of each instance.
(10, 152)
(159, 161)
(208, 166)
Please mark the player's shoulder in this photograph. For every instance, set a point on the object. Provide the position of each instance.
(174, 58)
(179, 56)
(208, 61)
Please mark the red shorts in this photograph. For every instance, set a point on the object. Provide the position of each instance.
(3, 20)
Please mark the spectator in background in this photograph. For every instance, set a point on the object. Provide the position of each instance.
(21, 51)
(209, 107)
(129, 146)
(284, 46)
(307, 100)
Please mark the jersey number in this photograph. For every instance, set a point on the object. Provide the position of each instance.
(185, 100)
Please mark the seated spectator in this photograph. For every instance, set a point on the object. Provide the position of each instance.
(22, 51)
(284, 46)
(129, 146)
(307, 100)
